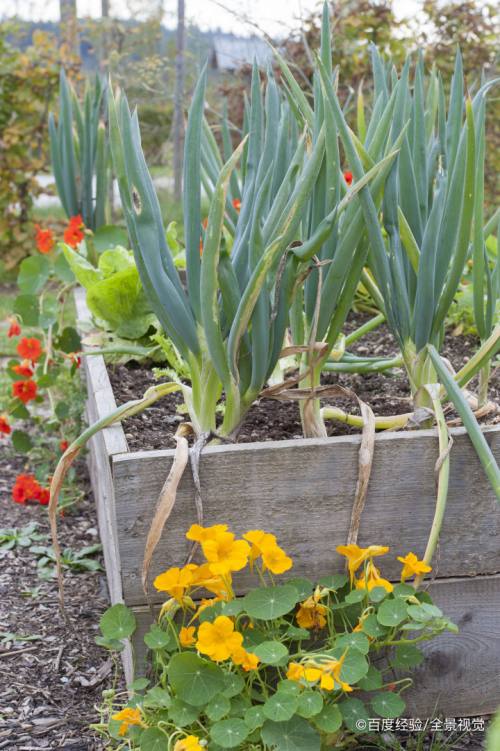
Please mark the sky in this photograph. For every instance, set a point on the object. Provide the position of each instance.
(276, 17)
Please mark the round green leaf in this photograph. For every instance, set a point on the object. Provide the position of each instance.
(157, 638)
(33, 274)
(233, 685)
(229, 733)
(49, 309)
(355, 640)
(403, 590)
(372, 680)
(378, 594)
(271, 652)
(183, 714)
(138, 685)
(62, 269)
(157, 697)
(303, 586)
(281, 706)
(268, 603)
(118, 622)
(357, 595)
(329, 719)
(407, 656)
(153, 739)
(69, 340)
(354, 713)
(310, 703)
(389, 705)
(334, 582)
(62, 410)
(294, 735)
(424, 612)
(21, 441)
(218, 707)
(193, 679)
(372, 627)
(27, 308)
(392, 612)
(355, 664)
(255, 717)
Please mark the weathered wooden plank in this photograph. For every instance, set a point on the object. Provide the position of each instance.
(302, 490)
(460, 675)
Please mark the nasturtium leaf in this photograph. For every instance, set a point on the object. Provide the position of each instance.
(407, 656)
(280, 706)
(254, 717)
(34, 272)
(355, 665)
(218, 707)
(271, 652)
(118, 622)
(233, 607)
(153, 739)
(289, 687)
(372, 680)
(310, 703)
(392, 612)
(62, 410)
(297, 634)
(355, 640)
(157, 697)
(19, 411)
(388, 705)
(377, 594)
(21, 441)
(294, 735)
(355, 714)
(138, 685)
(27, 307)
(239, 705)
(183, 714)
(115, 645)
(49, 309)
(157, 638)
(372, 627)
(229, 733)
(303, 586)
(333, 582)
(46, 380)
(357, 595)
(413, 626)
(424, 612)
(62, 269)
(403, 590)
(329, 719)
(69, 340)
(233, 684)
(193, 679)
(268, 603)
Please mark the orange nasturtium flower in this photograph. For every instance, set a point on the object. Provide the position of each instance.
(189, 743)
(348, 177)
(30, 349)
(218, 640)
(44, 239)
(186, 636)
(225, 554)
(265, 545)
(371, 578)
(237, 204)
(23, 369)
(128, 716)
(311, 613)
(73, 234)
(356, 556)
(5, 425)
(14, 328)
(413, 567)
(247, 660)
(26, 488)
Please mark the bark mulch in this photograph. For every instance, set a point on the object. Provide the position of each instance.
(49, 687)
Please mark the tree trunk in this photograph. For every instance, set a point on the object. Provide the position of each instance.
(178, 122)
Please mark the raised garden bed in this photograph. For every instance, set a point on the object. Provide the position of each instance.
(303, 490)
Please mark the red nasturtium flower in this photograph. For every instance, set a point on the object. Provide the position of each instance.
(4, 425)
(30, 349)
(23, 369)
(348, 177)
(26, 488)
(237, 204)
(24, 390)
(73, 233)
(14, 328)
(63, 446)
(44, 239)
(75, 359)
(43, 496)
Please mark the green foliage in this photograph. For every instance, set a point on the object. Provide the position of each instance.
(76, 561)
(22, 537)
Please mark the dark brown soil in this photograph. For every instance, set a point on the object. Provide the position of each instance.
(272, 420)
(49, 687)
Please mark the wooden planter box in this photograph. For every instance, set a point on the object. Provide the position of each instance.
(302, 490)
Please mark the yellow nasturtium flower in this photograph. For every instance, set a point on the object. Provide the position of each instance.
(225, 554)
(311, 613)
(203, 577)
(176, 581)
(356, 556)
(186, 636)
(218, 640)
(295, 671)
(333, 668)
(201, 534)
(412, 566)
(258, 540)
(189, 743)
(247, 660)
(371, 578)
(265, 545)
(128, 716)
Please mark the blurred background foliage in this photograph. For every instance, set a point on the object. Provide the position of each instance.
(139, 53)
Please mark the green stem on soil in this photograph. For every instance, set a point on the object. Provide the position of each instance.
(364, 329)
